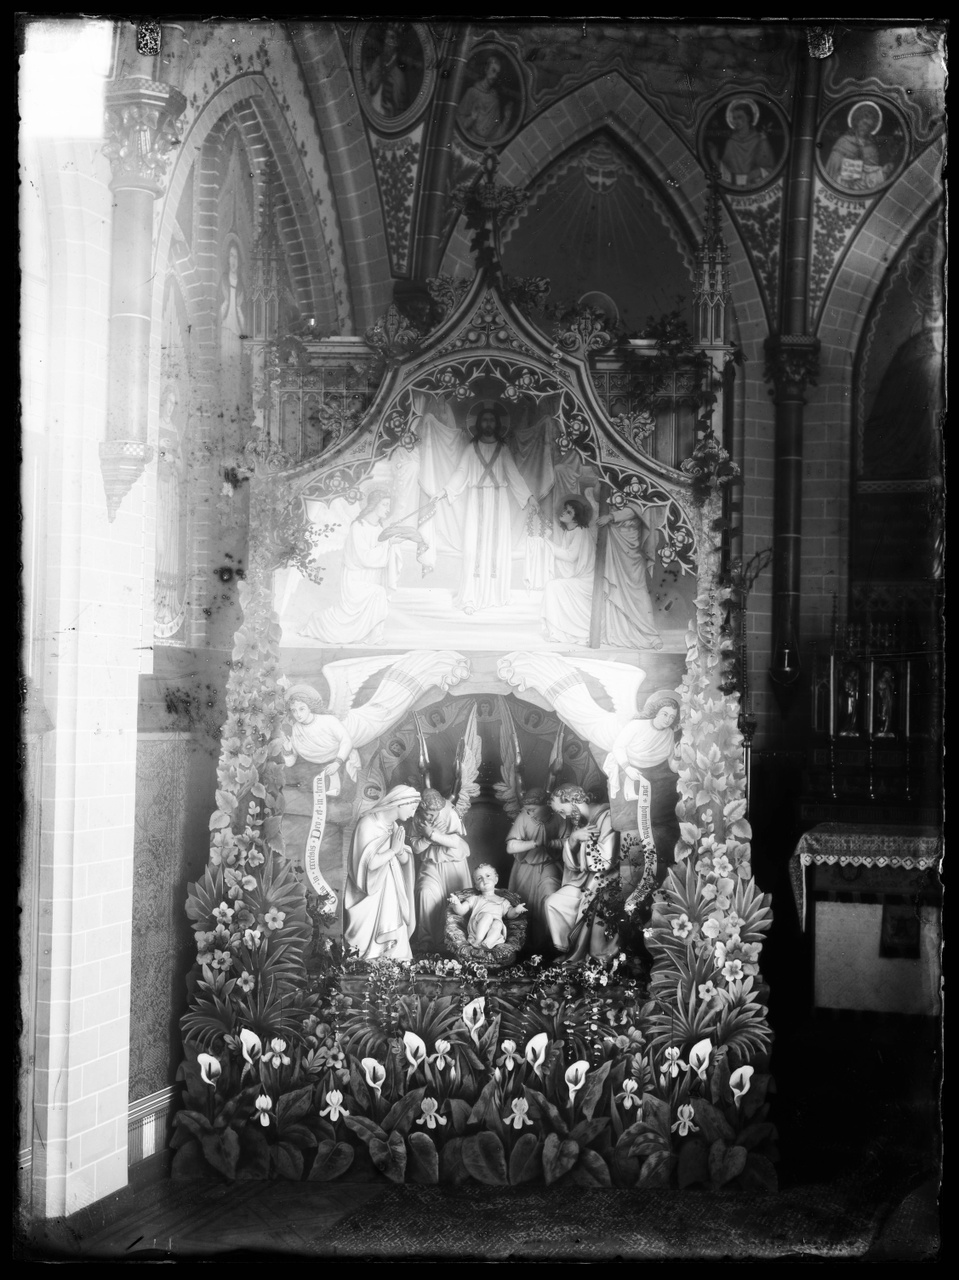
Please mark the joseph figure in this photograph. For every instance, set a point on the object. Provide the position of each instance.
(492, 489)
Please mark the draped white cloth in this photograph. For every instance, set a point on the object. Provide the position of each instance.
(639, 746)
(370, 570)
(568, 600)
(378, 899)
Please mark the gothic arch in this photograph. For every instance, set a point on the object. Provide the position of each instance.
(352, 173)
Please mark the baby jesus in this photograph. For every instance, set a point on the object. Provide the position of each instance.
(486, 911)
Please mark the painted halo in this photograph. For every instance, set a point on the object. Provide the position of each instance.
(742, 102)
(888, 139)
(770, 131)
(415, 72)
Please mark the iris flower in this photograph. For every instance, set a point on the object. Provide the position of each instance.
(518, 1117)
(264, 1104)
(276, 1055)
(629, 1096)
(672, 1063)
(334, 1108)
(442, 1054)
(684, 1123)
(430, 1117)
(510, 1056)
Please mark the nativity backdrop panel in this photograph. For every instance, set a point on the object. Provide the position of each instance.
(479, 902)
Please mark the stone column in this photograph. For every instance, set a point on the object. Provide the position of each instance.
(141, 131)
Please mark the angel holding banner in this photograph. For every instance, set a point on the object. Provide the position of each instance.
(438, 840)
(321, 749)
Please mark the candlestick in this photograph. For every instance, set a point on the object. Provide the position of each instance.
(832, 695)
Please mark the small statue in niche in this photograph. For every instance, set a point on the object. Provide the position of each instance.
(885, 702)
(849, 725)
(487, 911)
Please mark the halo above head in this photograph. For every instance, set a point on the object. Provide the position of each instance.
(306, 694)
(654, 701)
(867, 105)
(748, 104)
(498, 410)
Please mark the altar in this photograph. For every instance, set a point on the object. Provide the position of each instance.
(870, 897)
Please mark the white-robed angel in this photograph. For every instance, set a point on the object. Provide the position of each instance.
(629, 561)
(568, 599)
(438, 841)
(371, 566)
(378, 911)
(322, 747)
(636, 748)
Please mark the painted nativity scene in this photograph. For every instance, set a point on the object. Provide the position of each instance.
(479, 902)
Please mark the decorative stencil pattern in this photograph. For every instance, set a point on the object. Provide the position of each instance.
(834, 222)
(760, 224)
(396, 161)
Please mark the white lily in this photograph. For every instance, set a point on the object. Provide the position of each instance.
(474, 1016)
(739, 1082)
(536, 1052)
(576, 1077)
(375, 1074)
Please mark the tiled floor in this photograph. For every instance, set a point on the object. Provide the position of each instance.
(856, 1110)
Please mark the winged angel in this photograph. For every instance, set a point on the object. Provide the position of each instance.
(638, 742)
(322, 746)
(438, 838)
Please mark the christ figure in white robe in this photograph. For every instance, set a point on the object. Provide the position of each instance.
(484, 490)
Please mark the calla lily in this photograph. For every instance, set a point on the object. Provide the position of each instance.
(415, 1050)
(518, 1117)
(251, 1046)
(264, 1104)
(430, 1117)
(334, 1108)
(536, 1052)
(442, 1055)
(576, 1077)
(699, 1056)
(375, 1074)
(210, 1068)
(475, 1017)
(510, 1056)
(685, 1121)
(739, 1082)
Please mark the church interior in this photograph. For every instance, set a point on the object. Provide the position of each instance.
(482, 585)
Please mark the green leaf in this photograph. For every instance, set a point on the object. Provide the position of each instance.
(287, 1161)
(656, 1169)
(755, 1135)
(390, 1156)
(588, 1130)
(593, 1089)
(759, 1174)
(460, 1113)
(592, 1170)
(712, 1122)
(299, 1135)
(400, 1115)
(558, 1157)
(452, 1165)
(295, 1105)
(194, 1121)
(359, 1086)
(647, 1143)
(226, 801)
(424, 1165)
(222, 1150)
(332, 1159)
(485, 1159)
(725, 1162)
(365, 1129)
(656, 1114)
(188, 1162)
(219, 820)
(486, 1109)
(543, 1109)
(693, 1163)
(526, 1159)
(254, 1162)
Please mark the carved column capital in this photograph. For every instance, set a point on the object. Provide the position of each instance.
(792, 363)
(141, 128)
